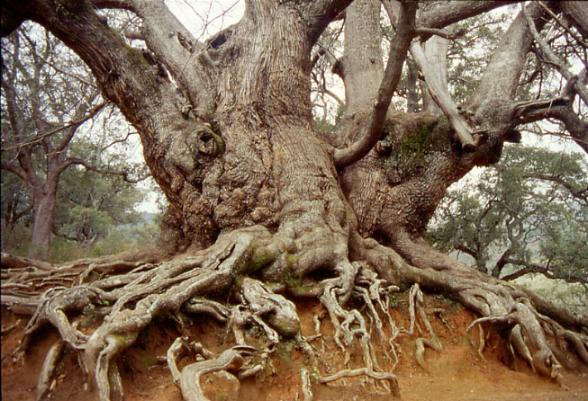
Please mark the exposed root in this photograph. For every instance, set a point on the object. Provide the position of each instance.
(54, 305)
(528, 338)
(306, 385)
(535, 337)
(350, 324)
(44, 383)
(336, 292)
(279, 312)
(212, 308)
(17, 262)
(10, 327)
(179, 348)
(391, 378)
(128, 294)
(482, 342)
(416, 305)
(231, 360)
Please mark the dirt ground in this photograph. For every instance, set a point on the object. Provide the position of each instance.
(457, 373)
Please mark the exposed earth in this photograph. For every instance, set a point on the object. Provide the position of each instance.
(456, 373)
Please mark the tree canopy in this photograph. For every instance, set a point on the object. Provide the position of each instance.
(527, 214)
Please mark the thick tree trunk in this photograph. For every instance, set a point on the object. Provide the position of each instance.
(42, 228)
(254, 192)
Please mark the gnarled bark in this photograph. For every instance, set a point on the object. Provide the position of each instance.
(258, 206)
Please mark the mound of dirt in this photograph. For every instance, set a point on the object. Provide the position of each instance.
(459, 372)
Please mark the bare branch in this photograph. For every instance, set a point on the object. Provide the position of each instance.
(501, 78)
(187, 60)
(447, 13)
(563, 25)
(71, 126)
(122, 140)
(577, 11)
(441, 96)
(320, 13)
(15, 169)
(580, 194)
(398, 50)
(537, 268)
(559, 109)
(550, 57)
(464, 248)
(125, 175)
(425, 32)
(81, 110)
(114, 4)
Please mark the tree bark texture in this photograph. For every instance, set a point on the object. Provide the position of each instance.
(43, 212)
(254, 189)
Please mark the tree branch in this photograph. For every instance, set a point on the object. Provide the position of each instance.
(563, 112)
(501, 78)
(447, 13)
(581, 194)
(87, 115)
(15, 169)
(176, 48)
(114, 4)
(442, 98)
(528, 268)
(554, 60)
(320, 13)
(562, 24)
(123, 174)
(127, 136)
(464, 248)
(577, 12)
(71, 126)
(425, 33)
(398, 51)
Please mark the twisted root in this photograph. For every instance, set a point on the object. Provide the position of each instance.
(129, 294)
(416, 299)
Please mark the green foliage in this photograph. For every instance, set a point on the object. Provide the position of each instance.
(89, 203)
(529, 211)
(468, 56)
(116, 239)
(50, 89)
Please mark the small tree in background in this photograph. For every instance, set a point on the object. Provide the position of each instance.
(48, 98)
(526, 214)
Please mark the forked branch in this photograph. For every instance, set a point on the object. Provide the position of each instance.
(443, 99)
(398, 50)
(578, 86)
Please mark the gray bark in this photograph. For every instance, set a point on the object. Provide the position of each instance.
(43, 213)
(254, 190)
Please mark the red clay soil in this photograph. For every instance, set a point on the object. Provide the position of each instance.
(456, 373)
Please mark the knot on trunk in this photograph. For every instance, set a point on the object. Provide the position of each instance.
(208, 143)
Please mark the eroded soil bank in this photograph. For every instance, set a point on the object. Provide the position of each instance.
(456, 373)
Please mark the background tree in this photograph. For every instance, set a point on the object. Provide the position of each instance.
(527, 214)
(94, 204)
(256, 195)
(47, 97)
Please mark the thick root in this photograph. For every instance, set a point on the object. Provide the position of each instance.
(231, 360)
(416, 299)
(305, 385)
(391, 378)
(129, 294)
(45, 381)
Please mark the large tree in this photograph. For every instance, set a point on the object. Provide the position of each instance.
(255, 190)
